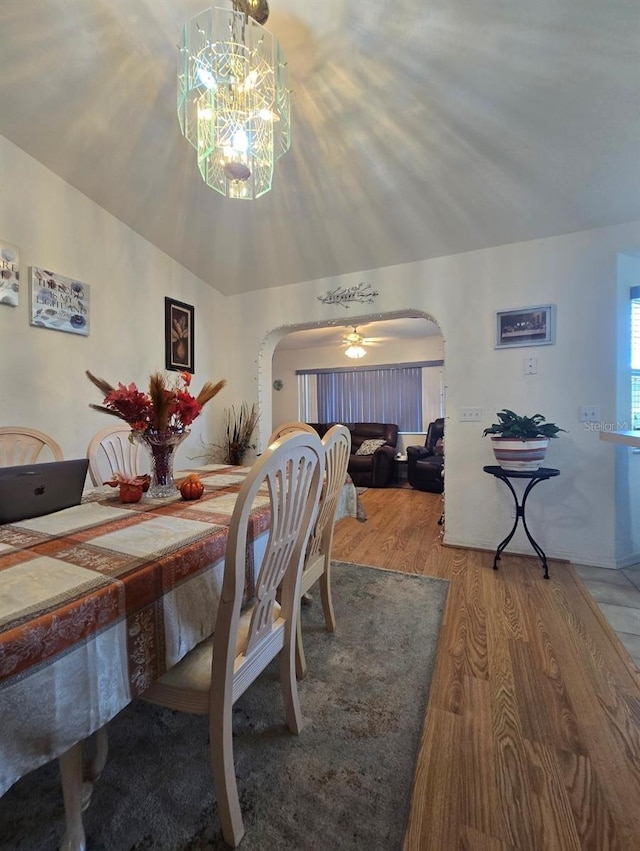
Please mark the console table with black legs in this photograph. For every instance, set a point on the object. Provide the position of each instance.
(534, 476)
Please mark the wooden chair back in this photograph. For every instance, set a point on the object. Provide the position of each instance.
(317, 564)
(287, 428)
(291, 471)
(20, 445)
(110, 451)
(337, 446)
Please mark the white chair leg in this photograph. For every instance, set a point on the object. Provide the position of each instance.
(327, 601)
(71, 776)
(301, 662)
(97, 764)
(224, 776)
(289, 685)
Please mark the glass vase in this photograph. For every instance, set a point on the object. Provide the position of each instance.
(161, 446)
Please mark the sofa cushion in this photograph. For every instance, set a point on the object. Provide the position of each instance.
(368, 447)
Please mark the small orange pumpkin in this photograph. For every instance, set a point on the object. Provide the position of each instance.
(191, 487)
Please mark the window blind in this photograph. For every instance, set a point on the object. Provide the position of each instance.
(409, 394)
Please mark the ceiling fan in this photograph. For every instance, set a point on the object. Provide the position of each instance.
(355, 343)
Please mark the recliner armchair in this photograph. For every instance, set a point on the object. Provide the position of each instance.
(425, 466)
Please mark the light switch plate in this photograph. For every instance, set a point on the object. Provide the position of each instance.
(590, 414)
(470, 415)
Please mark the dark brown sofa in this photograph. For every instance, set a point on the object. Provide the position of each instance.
(374, 470)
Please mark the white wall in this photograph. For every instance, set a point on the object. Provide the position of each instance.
(42, 381)
(574, 516)
(42, 372)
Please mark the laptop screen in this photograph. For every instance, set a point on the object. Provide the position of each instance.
(31, 490)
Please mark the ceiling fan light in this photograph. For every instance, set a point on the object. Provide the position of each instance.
(355, 351)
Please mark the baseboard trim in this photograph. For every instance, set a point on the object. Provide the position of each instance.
(514, 552)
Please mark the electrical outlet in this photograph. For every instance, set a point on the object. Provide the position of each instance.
(470, 415)
(590, 414)
(530, 366)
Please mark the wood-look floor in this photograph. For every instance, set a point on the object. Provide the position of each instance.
(532, 733)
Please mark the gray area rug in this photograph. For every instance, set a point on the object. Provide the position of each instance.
(344, 783)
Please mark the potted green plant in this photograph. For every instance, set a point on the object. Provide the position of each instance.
(519, 442)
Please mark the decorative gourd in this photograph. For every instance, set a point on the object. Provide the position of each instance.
(131, 487)
(130, 492)
(191, 487)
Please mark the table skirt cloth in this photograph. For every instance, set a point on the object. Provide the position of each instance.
(99, 600)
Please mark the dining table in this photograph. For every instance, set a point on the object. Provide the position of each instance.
(99, 600)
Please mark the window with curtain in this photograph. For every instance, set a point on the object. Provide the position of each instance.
(410, 395)
(635, 357)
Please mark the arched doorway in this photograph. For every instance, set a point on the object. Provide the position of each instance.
(319, 333)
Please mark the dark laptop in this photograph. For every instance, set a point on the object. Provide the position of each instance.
(32, 490)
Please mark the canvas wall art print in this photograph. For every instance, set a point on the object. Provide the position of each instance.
(9, 274)
(59, 303)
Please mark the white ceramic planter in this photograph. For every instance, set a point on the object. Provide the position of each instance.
(519, 455)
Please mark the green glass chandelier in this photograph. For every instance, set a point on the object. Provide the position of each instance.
(233, 100)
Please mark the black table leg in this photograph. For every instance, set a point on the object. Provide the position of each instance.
(536, 546)
(504, 543)
(520, 514)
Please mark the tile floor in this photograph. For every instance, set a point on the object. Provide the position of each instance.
(617, 593)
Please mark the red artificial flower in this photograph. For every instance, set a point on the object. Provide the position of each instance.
(187, 408)
(130, 403)
(167, 406)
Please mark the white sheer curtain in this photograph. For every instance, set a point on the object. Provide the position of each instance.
(308, 397)
(432, 394)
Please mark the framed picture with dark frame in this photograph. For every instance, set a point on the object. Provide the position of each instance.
(178, 335)
(525, 326)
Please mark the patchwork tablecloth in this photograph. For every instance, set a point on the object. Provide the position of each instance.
(98, 600)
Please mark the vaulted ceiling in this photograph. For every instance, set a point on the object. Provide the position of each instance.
(421, 128)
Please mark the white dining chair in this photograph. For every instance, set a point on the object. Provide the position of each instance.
(212, 676)
(20, 445)
(317, 564)
(287, 428)
(111, 451)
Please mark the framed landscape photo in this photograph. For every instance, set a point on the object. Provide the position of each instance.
(525, 326)
(179, 336)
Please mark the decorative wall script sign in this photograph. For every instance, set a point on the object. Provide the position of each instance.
(341, 295)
